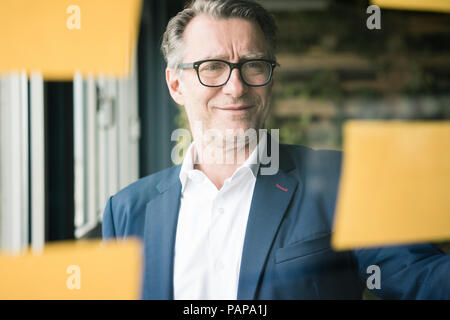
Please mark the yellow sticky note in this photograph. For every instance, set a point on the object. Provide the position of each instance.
(74, 270)
(395, 184)
(61, 37)
(420, 5)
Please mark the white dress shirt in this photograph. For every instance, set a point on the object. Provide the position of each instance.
(211, 230)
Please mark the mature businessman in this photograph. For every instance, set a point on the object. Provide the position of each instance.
(222, 229)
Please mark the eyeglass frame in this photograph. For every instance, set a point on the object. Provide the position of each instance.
(195, 65)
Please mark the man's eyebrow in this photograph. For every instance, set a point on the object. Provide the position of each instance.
(254, 55)
(250, 55)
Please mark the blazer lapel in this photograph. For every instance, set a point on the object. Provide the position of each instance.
(160, 230)
(271, 197)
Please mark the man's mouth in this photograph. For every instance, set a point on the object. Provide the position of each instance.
(236, 108)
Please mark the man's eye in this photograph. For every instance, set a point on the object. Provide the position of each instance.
(255, 65)
(213, 67)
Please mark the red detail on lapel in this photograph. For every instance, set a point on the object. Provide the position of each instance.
(280, 187)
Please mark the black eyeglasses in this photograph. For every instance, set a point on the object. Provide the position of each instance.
(216, 73)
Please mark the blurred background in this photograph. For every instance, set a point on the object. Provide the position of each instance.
(100, 133)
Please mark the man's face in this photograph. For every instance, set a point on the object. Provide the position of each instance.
(233, 105)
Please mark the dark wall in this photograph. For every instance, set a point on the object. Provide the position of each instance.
(59, 161)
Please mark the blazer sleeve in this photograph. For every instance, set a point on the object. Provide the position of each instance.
(108, 229)
(408, 272)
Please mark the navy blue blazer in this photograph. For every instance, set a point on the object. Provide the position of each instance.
(287, 253)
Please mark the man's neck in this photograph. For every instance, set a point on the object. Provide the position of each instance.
(218, 172)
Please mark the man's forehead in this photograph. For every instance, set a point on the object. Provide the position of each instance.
(218, 38)
(206, 22)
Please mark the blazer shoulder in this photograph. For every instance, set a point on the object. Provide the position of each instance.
(143, 190)
(311, 161)
(124, 213)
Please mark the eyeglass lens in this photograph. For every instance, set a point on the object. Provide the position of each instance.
(216, 73)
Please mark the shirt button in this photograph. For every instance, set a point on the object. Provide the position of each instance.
(221, 210)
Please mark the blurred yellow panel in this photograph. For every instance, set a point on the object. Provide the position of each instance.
(395, 184)
(74, 270)
(420, 5)
(59, 37)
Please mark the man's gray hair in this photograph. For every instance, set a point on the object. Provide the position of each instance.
(172, 42)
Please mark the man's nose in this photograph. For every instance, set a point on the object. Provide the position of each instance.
(235, 86)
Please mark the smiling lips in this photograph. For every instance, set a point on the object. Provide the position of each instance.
(236, 108)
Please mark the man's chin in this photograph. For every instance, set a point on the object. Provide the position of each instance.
(238, 129)
(240, 133)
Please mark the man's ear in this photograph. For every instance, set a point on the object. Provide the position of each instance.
(174, 84)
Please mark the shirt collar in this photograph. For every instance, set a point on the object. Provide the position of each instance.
(187, 164)
(252, 163)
